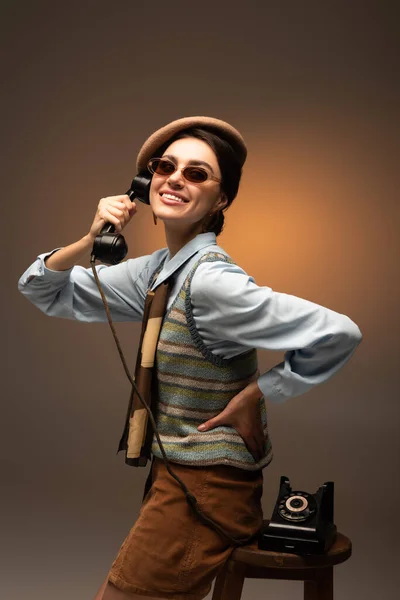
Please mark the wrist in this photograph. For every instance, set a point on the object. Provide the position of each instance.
(257, 392)
(253, 392)
(88, 241)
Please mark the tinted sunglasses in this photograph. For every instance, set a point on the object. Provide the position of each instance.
(165, 167)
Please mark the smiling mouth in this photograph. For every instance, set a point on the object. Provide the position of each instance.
(172, 197)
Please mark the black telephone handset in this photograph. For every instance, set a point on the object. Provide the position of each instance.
(109, 247)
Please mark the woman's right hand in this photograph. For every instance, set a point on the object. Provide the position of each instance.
(117, 210)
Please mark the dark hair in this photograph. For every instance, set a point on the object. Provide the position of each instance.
(228, 162)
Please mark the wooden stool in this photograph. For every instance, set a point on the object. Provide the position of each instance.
(315, 570)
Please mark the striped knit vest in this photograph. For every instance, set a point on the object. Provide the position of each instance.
(195, 385)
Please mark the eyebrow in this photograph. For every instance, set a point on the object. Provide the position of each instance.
(191, 162)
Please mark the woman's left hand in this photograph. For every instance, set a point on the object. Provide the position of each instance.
(243, 414)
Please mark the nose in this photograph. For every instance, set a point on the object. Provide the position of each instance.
(176, 178)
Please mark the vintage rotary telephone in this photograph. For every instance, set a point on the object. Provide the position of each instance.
(301, 523)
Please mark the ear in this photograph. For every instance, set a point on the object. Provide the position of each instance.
(221, 202)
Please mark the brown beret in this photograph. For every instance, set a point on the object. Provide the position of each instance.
(221, 128)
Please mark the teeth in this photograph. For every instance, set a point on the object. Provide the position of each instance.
(172, 197)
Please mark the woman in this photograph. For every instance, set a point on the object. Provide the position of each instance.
(216, 316)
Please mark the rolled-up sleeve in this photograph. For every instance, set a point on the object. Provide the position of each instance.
(233, 314)
(73, 294)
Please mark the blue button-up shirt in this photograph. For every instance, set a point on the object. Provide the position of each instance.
(231, 312)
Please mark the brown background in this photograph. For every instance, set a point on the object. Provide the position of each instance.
(313, 88)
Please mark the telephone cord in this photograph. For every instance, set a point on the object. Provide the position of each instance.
(192, 501)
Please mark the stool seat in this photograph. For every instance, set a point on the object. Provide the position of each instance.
(315, 570)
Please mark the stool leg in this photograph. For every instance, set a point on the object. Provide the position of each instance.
(229, 582)
(320, 587)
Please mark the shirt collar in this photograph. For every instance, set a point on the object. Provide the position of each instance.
(171, 265)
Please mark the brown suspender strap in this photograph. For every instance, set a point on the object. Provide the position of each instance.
(137, 437)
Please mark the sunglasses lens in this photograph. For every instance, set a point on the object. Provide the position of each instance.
(195, 174)
(162, 167)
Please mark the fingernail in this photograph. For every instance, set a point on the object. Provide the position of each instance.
(201, 427)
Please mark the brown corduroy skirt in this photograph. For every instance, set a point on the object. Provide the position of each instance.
(169, 552)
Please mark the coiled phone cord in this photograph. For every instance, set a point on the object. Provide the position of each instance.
(190, 498)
